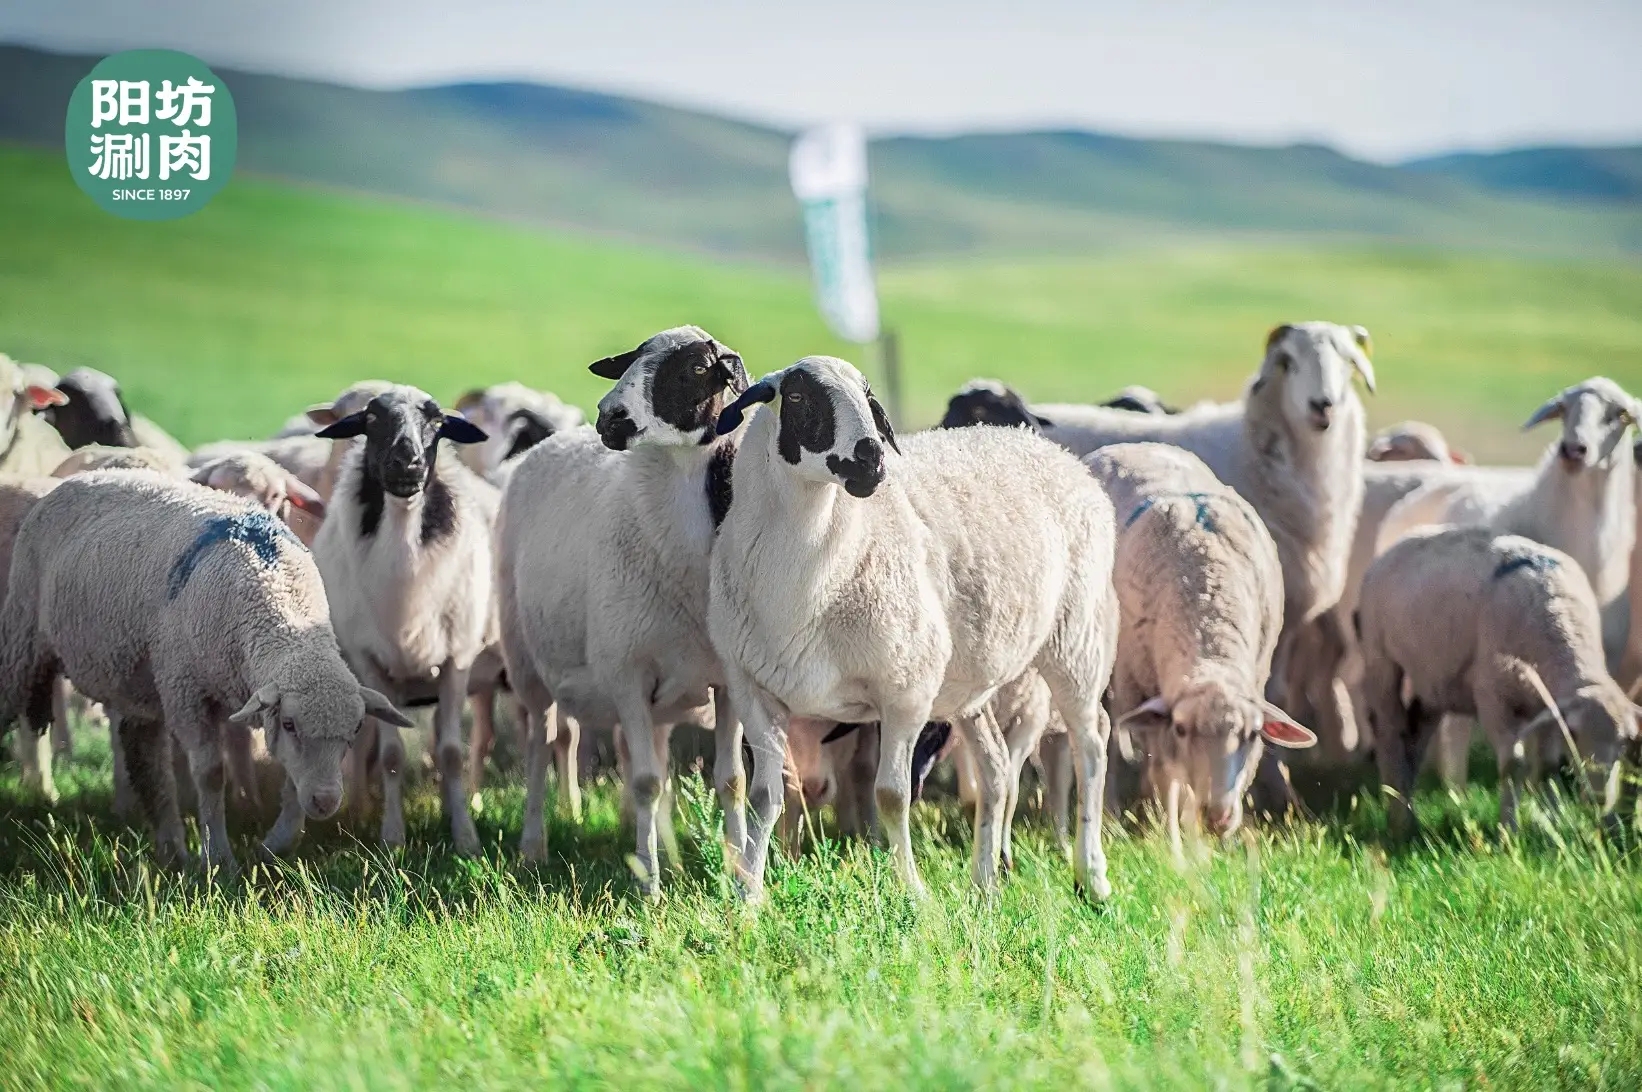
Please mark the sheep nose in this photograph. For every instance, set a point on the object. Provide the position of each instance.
(322, 803)
(616, 427)
(1220, 818)
(1575, 451)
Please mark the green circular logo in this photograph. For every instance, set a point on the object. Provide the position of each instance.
(151, 134)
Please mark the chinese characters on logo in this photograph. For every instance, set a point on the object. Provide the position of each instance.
(126, 103)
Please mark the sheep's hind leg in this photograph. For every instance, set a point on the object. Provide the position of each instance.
(1055, 753)
(147, 747)
(483, 740)
(645, 777)
(898, 736)
(566, 755)
(729, 774)
(448, 754)
(992, 767)
(533, 838)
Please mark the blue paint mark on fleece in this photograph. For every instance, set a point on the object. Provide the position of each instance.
(1201, 499)
(258, 530)
(1540, 563)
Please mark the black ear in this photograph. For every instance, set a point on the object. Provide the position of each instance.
(1278, 333)
(730, 419)
(614, 367)
(881, 419)
(344, 428)
(839, 732)
(529, 429)
(459, 430)
(735, 372)
(1041, 421)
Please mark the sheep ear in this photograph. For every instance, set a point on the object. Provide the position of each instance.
(1278, 333)
(730, 419)
(736, 378)
(1551, 410)
(263, 700)
(343, 428)
(459, 430)
(378, 706)
(470, 398)
(1040, 421)
(1154, 707)
(1282, 730)
(321, 414)
(880, 421)
(932, 740)
(1359, 334)
(839, 732)
(614, 367)
(303, 497)
(41, 397)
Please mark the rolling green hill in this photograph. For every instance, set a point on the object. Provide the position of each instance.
(654, 174)
(275, 296)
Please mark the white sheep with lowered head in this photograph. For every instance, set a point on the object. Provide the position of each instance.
(602, 570)
(406, 553)
(859, 578)
(1200, 590)
(180, 608)
(1471, 622)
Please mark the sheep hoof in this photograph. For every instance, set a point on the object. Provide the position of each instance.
(1096, 892)
(533, 848)
(467, 840)
(393, 833)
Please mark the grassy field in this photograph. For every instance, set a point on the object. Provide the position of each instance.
(1311, 956)
(226, 322)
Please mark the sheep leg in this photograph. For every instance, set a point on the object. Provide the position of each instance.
(729, 775)
(147, 747)
(644, 782)
(242, 769)
(1054, 751)
(449, 757)
(533, 838)
(1454, 750)
(283, 836)
(898, 736)
(62, 733)
(566, 754)
(360, 756)
(1022, 740)
(767, 739)
(34, 758)
(963, 765)
(483, 740)
(1090, 732)
(205, 762)
(992, 761)
(857, 816)
(390, 751)
(126, 805)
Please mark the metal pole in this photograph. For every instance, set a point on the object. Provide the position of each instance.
(889, 353)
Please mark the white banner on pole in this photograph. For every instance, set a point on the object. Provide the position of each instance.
(828, 167)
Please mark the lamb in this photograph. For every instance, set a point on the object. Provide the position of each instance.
(29, 447)
(406, 554)
(1517, 643)
(1413, 441)
(1200, 591)
(602, 569)
(94, 412)
(176, 607)
(516, 418)
(1578, 500)
(853, 588)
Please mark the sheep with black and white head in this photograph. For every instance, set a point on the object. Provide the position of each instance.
(602, 566)
(406, 554)
(861, 577)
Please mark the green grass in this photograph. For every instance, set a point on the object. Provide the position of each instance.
(1467, 961)
(274, 297)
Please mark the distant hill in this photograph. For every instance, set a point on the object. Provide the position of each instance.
(657, 174)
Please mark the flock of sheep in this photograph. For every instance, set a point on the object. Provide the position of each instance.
(1150, 604)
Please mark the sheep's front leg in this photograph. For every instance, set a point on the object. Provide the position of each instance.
(767, 739)
(236, 739)
(729, 775)
(205, 762)
(147, 747)
(533, 838)
(898, 737)
(645, 777)
(986, 744)
(34, 760)
(126, 805)
(62, 733)
(1089, 731)
(283, 836)
(450, 759)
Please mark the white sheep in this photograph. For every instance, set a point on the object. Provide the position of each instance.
(178, 607)
(1200, 590)
(603, 543)
(18, 497)
(515, 418)
(406, 554)
(269, 486)
(852, 588)
(1471, 622)
(1292, 448)
(29, 446)
(1412, 441)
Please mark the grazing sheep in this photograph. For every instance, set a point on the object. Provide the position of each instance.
(1413, 441)
(29, 447)
(516, 418)
(407, 560)
(178, 607)
(1200, 591)
(602, 569)
(1476, 623)
(1578, 500)
(1292, 448)
(854, 589)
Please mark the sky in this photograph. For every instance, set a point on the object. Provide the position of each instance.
(1384, 80)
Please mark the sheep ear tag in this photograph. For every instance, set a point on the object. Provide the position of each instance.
(344, 428)
(1282, 730)
(459, 430)
(731, 418)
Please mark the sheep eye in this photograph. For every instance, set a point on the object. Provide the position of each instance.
(795, 396)
(1180, 730)
(701, 369)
